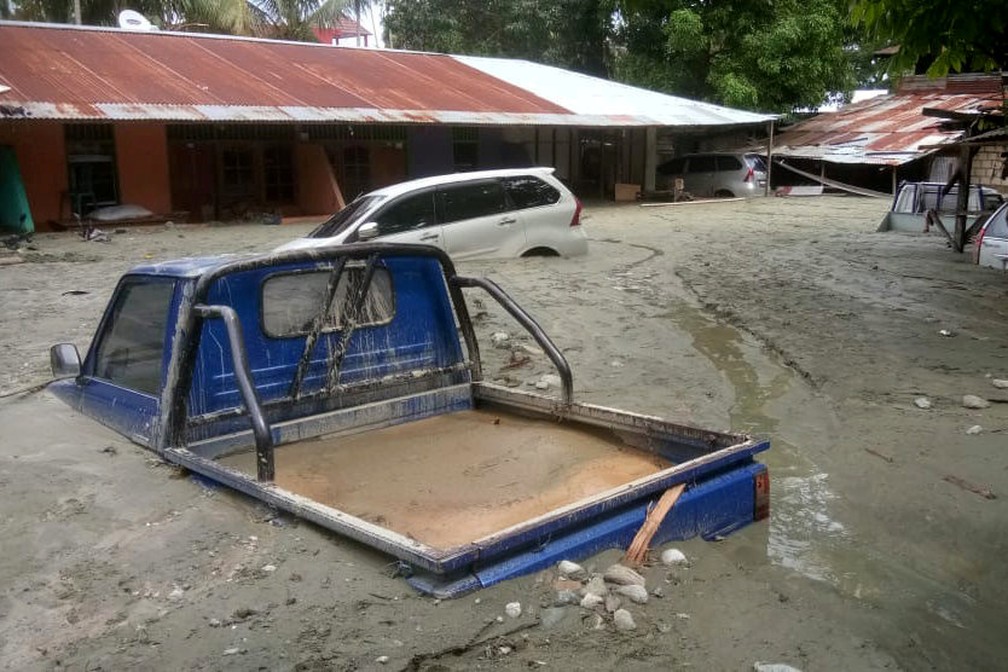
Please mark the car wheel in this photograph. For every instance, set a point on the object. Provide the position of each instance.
(723, 193)
(541, 252)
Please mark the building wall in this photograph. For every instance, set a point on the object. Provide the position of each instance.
(41, 155)
(142, 166)
(988, 165)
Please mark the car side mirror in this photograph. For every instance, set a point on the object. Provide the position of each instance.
(64, 360)
(367, 231)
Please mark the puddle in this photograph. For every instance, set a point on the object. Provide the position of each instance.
(803, 534)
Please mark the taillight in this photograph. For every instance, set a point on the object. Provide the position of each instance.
(749, 175)
(576, 219)
(761, 495)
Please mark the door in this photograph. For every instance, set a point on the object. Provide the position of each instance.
(478, 222)
(192, 171)
(994, 242)
(410, 219)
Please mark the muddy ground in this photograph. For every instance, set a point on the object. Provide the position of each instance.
(784, 317)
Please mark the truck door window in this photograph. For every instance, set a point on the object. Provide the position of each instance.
(414, 211)
(131, 348)
(290, 301)
(471, 200)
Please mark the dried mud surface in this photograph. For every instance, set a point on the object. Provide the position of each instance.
(784, 317)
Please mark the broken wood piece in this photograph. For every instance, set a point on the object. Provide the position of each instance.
(887, 458)
(966, 485)
(638, 549)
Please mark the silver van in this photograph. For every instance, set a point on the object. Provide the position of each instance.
(715, 174)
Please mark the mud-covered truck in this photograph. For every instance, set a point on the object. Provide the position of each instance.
(344, 385)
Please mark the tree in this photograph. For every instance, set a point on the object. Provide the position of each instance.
(939, 36)
(761, 55)
(569, 33)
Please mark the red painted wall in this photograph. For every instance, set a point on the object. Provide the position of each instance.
(318, 192)
(41, 156)
(142, 165)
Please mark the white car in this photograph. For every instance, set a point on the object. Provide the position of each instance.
(492, 213)
(992, 241)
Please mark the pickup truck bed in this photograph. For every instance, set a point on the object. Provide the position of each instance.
(454, 479)
(345, 385)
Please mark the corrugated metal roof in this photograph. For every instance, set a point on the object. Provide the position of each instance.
(87, 73)
(892, 129)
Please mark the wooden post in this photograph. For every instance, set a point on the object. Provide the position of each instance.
(895, 180)
(769, 163)
(966, 155)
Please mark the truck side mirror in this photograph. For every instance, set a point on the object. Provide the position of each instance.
(64, 360)
(367, 231)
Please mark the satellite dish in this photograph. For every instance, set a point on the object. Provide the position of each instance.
(133, 20)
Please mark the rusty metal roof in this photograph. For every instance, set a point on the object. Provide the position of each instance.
(89, 73)
(892, 129)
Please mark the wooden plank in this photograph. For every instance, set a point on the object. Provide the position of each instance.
(637, 552)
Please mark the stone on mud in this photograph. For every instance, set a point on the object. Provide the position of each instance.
(571, 570)
(622, 576)
(1000, 383)
(634, 592)
(975, 429)
(673, 556)
(566, 597)
(591, 600)
(596, 586)
(922, 402)
(973, 401)
(513, 609)
(624, 621)
(612, 603)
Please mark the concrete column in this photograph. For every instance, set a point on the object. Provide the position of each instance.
(650, 157)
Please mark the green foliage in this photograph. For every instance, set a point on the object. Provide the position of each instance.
(568, 33)
(939, 36)
(771, 55)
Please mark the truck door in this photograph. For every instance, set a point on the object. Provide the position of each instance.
(477, 220)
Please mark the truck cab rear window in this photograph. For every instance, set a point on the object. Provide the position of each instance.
(131, 348)
(291, 301)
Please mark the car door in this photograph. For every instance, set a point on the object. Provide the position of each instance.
(477, 220)
(410, 218)
(993, 242)
(700, 171)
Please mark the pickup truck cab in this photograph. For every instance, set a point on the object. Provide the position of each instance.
(345, 385)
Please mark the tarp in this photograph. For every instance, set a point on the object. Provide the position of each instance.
(14, 211)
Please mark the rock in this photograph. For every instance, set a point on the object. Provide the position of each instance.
(973, 401)
(382, 659)
(612, 603)
(214, 623)
(566, 597)
(232, 651)
(541, 384)
(551, 379)
(773, 667)
(513, 609)
(673, 556)
(591, 600)
(176, 594)
(622, 576)
(635, 592)
(922, 402)
(1000, 383)
(624, 621)
(946, 333)
(596, 586)
(658, 592)
(500, 339)
(571, 570)
(269, 569)
(975, 429)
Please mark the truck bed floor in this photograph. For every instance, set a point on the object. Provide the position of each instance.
(456, 478)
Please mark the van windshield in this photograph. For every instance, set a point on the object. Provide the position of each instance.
(339, 222)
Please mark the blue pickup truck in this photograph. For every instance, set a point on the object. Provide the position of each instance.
(344, 385)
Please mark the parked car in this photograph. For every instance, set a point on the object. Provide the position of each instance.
(718, 174)
(991, 243)
(914, 199)
(493, 213)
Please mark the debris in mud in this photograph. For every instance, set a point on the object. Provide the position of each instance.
(500, 339)
(887, 458)
(111, 451)
(515, 361)
(381, 660)
(946, 333)
(269, 569)
(773, 667)
(673, 556)
(973, 401)
(922, 402)
(1000, 383)
(624, 621)
(986, 493)
(974, 430)
(513, 609)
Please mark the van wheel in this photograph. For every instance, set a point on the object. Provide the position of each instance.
(541, 252)
(723, 193)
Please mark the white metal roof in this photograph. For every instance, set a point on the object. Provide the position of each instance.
(623, 104)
